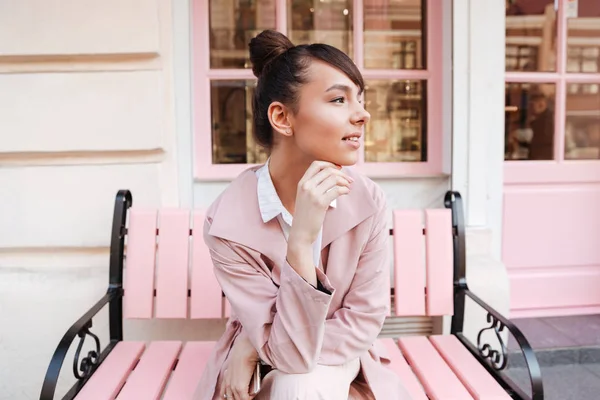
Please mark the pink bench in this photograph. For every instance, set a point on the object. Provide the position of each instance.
(165, 278)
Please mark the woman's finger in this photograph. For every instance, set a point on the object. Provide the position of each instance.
(240, 393)
(315, 168)
(334, 193)
(326, 173)
(331, 182)
(226, 388)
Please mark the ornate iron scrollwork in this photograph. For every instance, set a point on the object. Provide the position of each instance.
(498, 359)
(87, 363)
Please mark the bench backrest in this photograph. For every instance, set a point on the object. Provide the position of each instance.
(423, 262)
(169, 272)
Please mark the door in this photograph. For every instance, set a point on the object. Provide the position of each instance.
(551, 216)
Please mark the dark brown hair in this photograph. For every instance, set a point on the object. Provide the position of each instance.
(281, 68)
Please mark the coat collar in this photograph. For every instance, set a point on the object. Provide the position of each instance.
(269, 203)
(236, 216)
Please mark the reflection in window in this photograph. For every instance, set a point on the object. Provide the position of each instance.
(327, 22)
(396, 131)
(582, 129)
(529, 121)
(232, 25)
(394, 34)
(231, 109)
(583, 38)
(530, 35)
(521, 58)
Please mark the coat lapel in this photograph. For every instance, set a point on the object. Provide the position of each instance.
(237, 217)
(351, 210)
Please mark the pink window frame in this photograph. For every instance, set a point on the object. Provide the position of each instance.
(202, 75)
(558, 170)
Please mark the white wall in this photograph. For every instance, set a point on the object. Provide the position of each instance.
(86, 108)
(478, 147)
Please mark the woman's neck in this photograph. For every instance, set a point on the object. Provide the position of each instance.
(286, 169)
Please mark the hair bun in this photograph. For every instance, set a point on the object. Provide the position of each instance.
(265, 47)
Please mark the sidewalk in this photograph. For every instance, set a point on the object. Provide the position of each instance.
(568, 349)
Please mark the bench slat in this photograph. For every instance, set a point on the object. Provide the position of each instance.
(189, 369)
(139, 271)
(148, 379)
(409, 270)
(206, 299)
(436, 376)
(440, 270)
(401, 367)
(172, 264)
(112, 373)
(472, 374)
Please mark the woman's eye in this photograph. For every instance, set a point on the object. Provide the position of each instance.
(338, 100)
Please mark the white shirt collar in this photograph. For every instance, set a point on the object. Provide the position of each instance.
(269, 203)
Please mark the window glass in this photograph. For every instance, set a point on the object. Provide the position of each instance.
(394, 34)
(583, 37)
(232, 24)
(582, 129)
(531, 35)
(327, 22)
(529, 122)
(396, 131)
(231, 110)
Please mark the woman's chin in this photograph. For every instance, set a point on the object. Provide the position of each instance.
(348, 160)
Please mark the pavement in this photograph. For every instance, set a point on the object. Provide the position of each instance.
(568, 349)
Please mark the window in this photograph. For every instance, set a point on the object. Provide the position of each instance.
(553, 88)
(395, 43)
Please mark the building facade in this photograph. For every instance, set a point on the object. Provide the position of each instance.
(497, 99)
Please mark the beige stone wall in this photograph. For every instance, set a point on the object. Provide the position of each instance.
(86, 108)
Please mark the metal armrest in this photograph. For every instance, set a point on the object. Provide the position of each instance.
(494, 360)
(89, 363)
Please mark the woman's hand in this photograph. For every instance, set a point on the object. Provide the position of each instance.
(240, 366)
(322, 183)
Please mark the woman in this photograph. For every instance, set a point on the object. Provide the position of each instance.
(307, 298)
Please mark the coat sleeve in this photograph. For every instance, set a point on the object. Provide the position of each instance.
(286, 324)
(352, 330)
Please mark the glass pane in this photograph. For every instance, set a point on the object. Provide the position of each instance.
(396, 131)
(583, 37)
(529, 125)
(394, 34)
(582, 128)
(231, 121)
(329, 22)
(530, 35)
(232, 24)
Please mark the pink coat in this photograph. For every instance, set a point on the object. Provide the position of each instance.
(292, 325)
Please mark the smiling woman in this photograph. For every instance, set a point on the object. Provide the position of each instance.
(309, 307)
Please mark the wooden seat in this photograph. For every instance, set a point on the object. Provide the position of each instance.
(159, 370)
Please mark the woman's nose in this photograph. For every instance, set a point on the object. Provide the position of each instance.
(361, 116)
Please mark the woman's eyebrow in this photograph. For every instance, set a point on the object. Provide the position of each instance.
(343, 88)
(339, 86)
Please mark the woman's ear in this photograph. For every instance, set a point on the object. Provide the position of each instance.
(279, 118)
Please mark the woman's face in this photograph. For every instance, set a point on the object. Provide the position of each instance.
(330, 116)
